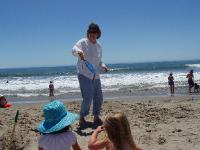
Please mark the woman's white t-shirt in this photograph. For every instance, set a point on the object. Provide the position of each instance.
(59, 141)
(92, 53)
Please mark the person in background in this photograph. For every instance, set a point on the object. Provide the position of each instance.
(118, 134)
(171, 83)
(51, 89)
(190, 77)
(56, 133)
(4, 103)
(90, 49)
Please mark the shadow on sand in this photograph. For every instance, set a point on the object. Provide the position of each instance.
(81, 130)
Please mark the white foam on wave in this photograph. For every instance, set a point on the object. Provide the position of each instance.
(32, 86)
(29, 94)
(37, 83)
(193, 65)
(118, 69)
(24, 94)
(154, 79)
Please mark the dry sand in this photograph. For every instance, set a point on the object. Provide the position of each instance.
(157, 123)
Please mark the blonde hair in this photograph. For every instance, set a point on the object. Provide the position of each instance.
(118, 131)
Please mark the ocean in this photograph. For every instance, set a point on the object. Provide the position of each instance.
(33, 82)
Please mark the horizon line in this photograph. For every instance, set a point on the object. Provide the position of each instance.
(107, 63)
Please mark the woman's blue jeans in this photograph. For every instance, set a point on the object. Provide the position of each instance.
(90, 90)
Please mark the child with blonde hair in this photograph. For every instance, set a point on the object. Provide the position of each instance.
(118, 132)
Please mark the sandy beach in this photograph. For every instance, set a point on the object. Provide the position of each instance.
(157, 122)
(133, 54)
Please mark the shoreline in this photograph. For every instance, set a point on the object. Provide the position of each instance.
(125, 98)
(126, 93)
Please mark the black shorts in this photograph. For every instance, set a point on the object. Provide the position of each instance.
(171, 83)
(191, 83)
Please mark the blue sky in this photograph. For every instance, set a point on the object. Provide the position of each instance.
(42, 32)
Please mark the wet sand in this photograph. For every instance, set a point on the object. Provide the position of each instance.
(157, 122)
(122, 93)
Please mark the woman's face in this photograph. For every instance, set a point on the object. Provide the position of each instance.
(93, 37)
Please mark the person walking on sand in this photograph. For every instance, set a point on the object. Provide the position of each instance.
(118, 134)
(190, 77)
(51, 89)
(171, 83)
(55, 130)
(88, 66)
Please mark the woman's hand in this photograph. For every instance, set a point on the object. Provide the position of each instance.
(105, 69)
(81, 55)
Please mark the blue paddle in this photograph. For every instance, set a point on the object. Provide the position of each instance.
(88, 65)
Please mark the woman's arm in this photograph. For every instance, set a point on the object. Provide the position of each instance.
(101, 64)
(76, 50)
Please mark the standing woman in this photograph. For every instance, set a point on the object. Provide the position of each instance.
(88, 49)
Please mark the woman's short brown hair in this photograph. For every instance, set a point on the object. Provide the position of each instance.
(94, 28)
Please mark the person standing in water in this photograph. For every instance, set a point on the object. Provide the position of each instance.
(88, 49)
(171, 83)
(190, 77)
(51, 89)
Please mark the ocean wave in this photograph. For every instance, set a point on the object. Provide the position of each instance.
(46, 72)
(108, 81)
(151, 66)
(38, 71)
(193, 65)
(119, 69)
(35, 81)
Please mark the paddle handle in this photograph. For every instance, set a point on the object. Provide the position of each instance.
(13, 131)
(16, 116)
